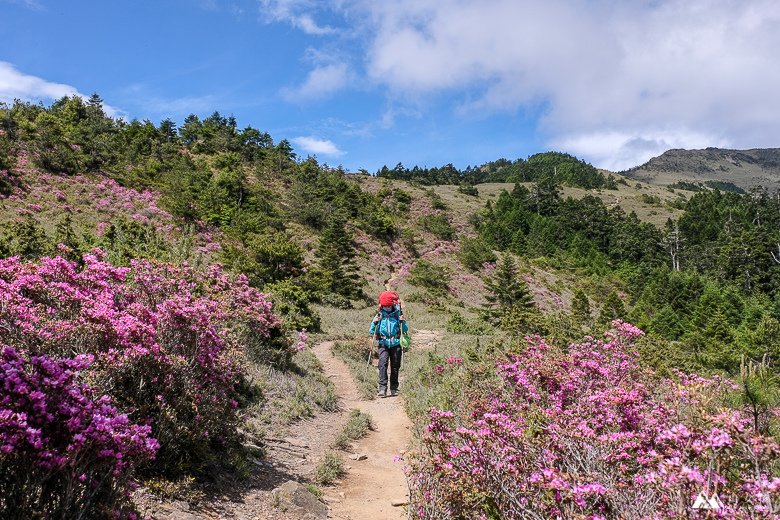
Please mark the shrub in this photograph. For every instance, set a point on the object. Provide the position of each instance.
(329, 470)
(438, 225)
(266, 258)
(652, 200)
(458, 324)
(430, 276)
(357, 427)
(468, 189)
(291, 302)
(378, 223)
(588, 432)
(474, 253)
(63, 452)
(436, 200)
(167, 342)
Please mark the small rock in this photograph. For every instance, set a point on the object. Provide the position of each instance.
(342, 495)
(399, 502)
(294, 497)
(181, 505)
(331, 499)
(181, 515)
(295, 442)
(358, 456)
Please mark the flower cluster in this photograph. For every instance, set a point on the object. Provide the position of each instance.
(167, 341)
(302, 339)
(54, 431)
(590, 433)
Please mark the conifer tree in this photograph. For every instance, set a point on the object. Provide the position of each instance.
(336, 259)
(65, 235)
(666, 323)
(613, 309)
(580, 308)
(28, 239)
(507, 291)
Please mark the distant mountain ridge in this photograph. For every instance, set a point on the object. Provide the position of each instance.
(744, 168)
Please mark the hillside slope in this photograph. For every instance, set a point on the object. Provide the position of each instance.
(744, 168)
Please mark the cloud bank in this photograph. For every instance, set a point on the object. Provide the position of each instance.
(18, 85)
(615, 82)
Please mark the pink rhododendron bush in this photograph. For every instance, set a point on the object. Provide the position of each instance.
(107, 368)
(63, 450)
(589, 433)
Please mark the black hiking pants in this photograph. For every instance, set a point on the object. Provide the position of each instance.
(393, 355)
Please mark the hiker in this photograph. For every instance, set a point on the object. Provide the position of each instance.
(387, 327)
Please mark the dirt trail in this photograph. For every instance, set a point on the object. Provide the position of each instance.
(371, 484)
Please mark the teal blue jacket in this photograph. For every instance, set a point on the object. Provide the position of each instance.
(390, 327)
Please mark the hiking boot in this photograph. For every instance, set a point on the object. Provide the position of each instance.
(393, 393)
(382, 392)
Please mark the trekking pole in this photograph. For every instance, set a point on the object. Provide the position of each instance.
(371, 350)
(368, 361)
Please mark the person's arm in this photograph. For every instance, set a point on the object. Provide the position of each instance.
(374, 325)
(402, 319)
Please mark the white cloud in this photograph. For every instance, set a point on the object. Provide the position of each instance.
(309, 26)
(33, 5)
(314, 145)
(626, 77)
(321, 81)
(296, 13)
(618, 151)
(18, 85)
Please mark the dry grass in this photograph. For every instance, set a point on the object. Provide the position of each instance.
(290, 395)
(329, 470)
(357, 427)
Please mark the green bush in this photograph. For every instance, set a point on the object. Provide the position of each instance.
(378, 223)
(439, 225)
(291, 302)
(458, 324)
(436, 200)
(468, 189)
(652, 200)
(474, 252)
(329, 470)
(430, 276)
(403, 197)
(358, 425)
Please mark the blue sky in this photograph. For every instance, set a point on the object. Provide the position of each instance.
(364, 83)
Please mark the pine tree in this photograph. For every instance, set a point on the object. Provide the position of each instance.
(507, 291)
(613, 309)
(580, 308)
(65, 235)
(337, 256)
(28, 239)
(666, 323)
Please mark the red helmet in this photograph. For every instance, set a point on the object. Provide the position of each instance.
(388, 299)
